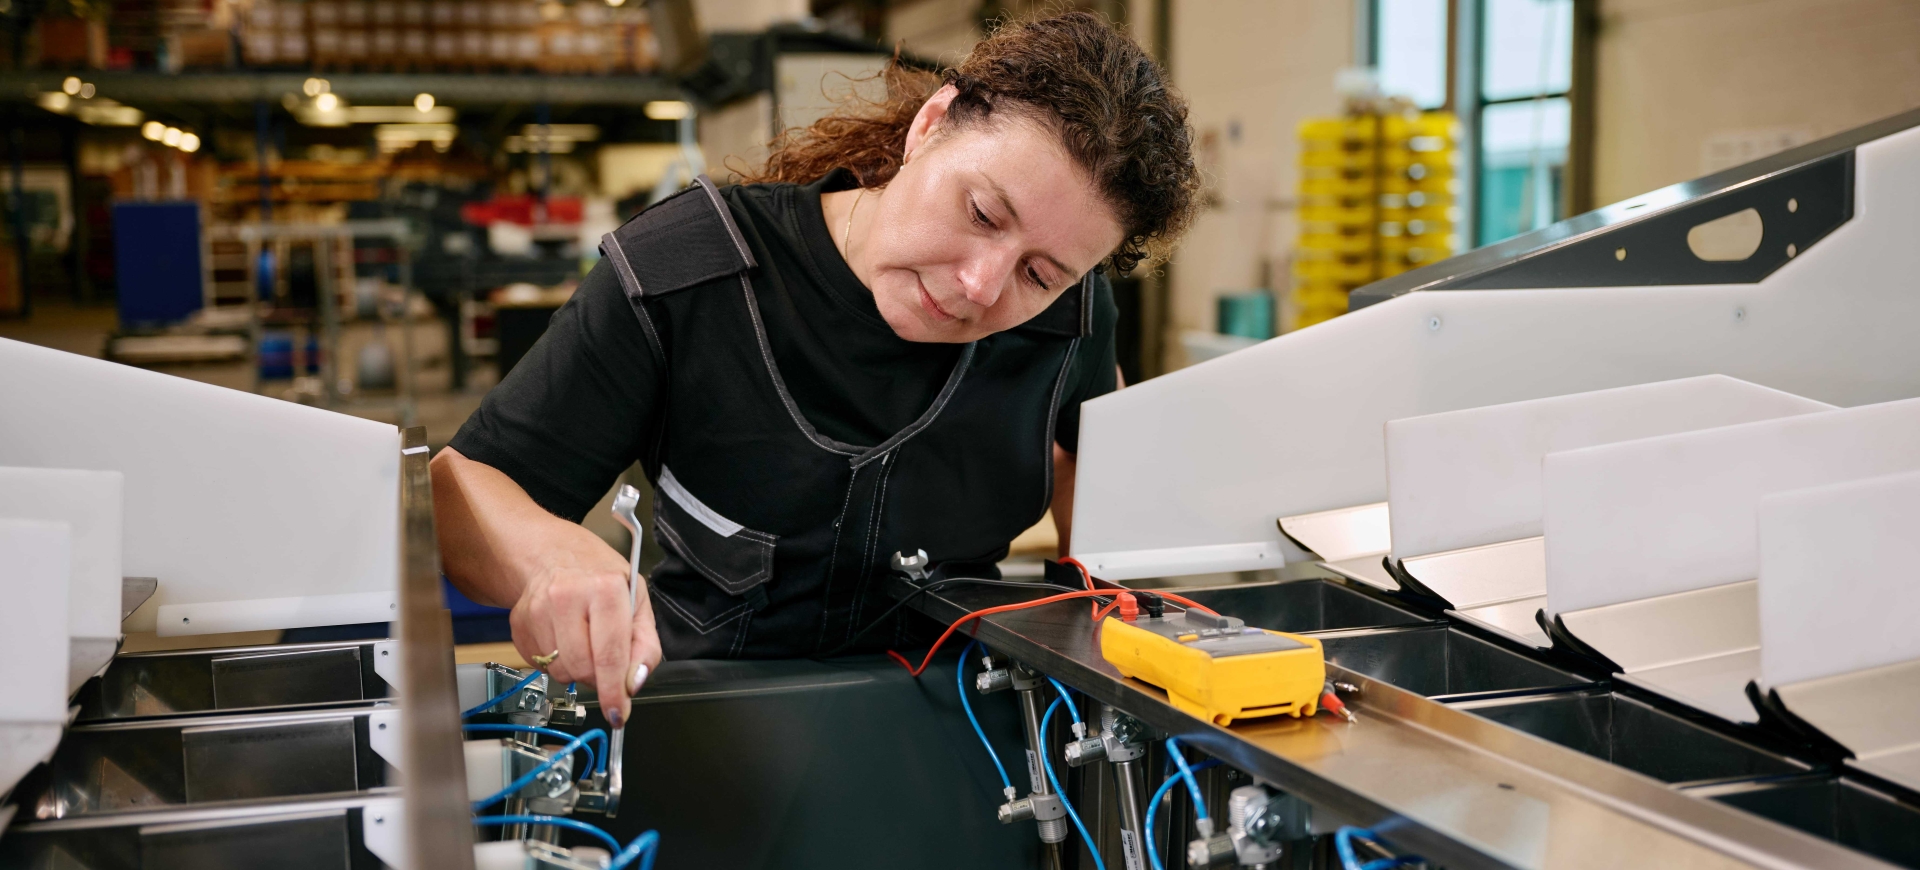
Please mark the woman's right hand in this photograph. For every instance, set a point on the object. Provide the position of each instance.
(577, 604)
(567, 588)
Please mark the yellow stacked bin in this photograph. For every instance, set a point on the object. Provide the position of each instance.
(1376, 199)
(1418, 190)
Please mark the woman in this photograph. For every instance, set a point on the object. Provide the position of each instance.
(881, 346)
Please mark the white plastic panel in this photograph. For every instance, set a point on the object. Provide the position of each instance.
(1838, 566)
(1664, 515)
(1472, 477)
(229, 496)
(36, 567)
(1214, 453)
(89, 502)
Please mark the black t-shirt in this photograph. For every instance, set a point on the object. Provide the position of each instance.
(576, 410)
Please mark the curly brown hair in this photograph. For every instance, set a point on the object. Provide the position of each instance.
(1109, 102)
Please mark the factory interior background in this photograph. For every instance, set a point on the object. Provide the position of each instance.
(179, 172)
(376, 206)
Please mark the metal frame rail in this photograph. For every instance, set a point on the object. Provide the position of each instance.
(1458, 789)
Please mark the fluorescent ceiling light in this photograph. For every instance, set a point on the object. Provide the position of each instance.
(668, 110)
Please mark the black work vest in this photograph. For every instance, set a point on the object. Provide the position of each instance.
(778, 537)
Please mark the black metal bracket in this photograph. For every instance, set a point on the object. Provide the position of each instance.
(1797, 208)
(1777, 719)
(1565, 643)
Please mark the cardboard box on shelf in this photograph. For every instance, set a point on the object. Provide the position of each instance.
(66, 42)
(200, 48)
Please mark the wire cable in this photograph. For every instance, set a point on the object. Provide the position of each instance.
(960, 680)
(1153, 806)
(1037, 602)
(936, 586)
(1071, 709)
(557, 821)
(1086, 576)
(645, 847)
(529, 776)
(488, 704)
(1395, 861)
(1343, 846)
(1193, 786)
(1046, 764)
(592, 767)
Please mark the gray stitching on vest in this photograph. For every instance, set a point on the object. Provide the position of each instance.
(635, 296)
(702, 627)
(1086, 304)
(1053, 417)
(779, 385)
(740, 637)
(939, 404)
(833, 561)
(726, 217)
(873, 545)
(719, 577)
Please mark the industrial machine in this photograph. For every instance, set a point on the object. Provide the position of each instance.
(1600, 538)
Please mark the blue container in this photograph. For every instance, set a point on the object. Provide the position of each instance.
(276, 356)
(156, 262)
(1248, 314)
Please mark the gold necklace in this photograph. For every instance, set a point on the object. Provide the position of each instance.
(846, 235)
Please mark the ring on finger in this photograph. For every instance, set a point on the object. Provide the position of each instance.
(542, 662)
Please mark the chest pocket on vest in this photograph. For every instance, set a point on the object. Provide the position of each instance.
(734, 557)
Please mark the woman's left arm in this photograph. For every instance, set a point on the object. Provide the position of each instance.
(1064, 466)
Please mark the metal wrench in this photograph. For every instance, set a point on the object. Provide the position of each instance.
(624, 502)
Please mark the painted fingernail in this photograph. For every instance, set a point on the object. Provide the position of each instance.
(613, 716)
(639, 679)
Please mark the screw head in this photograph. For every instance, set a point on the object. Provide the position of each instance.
(1740, 313)
(1433, 323)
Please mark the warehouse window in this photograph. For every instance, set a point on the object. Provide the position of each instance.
(1520, 76)
(1526, 120)
(1410, 45)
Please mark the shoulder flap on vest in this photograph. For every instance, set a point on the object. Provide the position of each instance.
(682, 241)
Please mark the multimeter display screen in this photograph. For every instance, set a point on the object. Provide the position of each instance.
(1217, 636)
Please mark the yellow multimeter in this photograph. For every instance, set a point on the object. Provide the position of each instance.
(1217, 667)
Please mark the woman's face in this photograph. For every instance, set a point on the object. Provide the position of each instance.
(982, 229)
